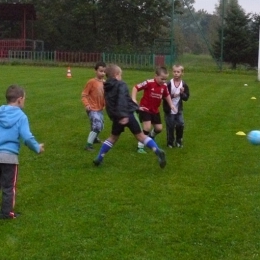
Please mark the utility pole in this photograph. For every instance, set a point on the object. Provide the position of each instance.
(222, 35)
(172, 39)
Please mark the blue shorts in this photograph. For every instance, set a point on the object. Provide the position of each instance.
(134, 125)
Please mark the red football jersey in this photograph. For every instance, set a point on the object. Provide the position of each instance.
(153, 95)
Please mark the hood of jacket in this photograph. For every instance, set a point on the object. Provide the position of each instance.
(9, 115)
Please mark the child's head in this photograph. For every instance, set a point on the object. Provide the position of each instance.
(15, 95)
(161, 75)
(113, 71)
(177, 71)
(100, 68)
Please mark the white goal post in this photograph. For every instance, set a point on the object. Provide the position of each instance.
(259, 57)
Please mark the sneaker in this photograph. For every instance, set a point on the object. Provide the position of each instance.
(161, 157)
(179, 144)
(141, 150)
(97, 162)
(169, 146)
(12, 215)
(89, 148)
(97, 141)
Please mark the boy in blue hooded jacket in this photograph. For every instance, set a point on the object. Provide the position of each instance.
(13, 126)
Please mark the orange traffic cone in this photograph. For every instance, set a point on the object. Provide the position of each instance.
(69, 73)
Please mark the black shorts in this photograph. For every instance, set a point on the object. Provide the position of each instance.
(133, 125)
(154, 118)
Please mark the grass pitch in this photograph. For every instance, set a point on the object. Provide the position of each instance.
(203, 205)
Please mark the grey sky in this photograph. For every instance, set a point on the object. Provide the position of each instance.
(209, 5)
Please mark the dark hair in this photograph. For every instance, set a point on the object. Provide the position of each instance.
(160, 70)
(100, 64)
(112, 70)
(13, 92)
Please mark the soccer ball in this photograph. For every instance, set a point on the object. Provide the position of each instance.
(254, 137)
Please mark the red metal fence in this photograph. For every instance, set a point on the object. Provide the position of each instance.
(12, 44)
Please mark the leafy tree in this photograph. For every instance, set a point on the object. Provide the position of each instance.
(236, 36)
(254, 40)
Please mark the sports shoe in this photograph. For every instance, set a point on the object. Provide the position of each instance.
(97, 162)
(97, 141)
(169, 146)
(161, 157)
(12, 215)
(141, 150)
(179, 144)
(89, 148)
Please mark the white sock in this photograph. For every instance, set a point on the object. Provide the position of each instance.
(140, 145)
(152, 133)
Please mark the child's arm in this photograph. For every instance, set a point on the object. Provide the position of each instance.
(85, 95)
(169, 101)
(185, 93)
(134, 94)
(28, 138)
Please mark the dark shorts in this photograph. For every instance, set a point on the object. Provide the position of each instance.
(133, 125)
(154, 118)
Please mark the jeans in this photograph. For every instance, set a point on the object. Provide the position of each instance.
(174, 127)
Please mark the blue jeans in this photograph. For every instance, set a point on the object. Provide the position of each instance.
(174, 127)
(96, 120)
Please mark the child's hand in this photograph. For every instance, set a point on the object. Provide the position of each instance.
(143, 109)
(174, 108)
(182, 89)
(41, 148)
(88, 108)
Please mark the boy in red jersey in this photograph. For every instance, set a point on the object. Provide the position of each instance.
(154, 91)
(93, 100)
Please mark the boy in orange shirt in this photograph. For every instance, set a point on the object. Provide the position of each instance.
(93, 100)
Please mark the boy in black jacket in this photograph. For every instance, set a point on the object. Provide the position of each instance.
(179, 92)
(121, 109)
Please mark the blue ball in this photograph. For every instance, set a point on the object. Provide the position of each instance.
(254, 137)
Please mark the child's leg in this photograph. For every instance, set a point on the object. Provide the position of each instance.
(97, 125)
(169, 119)
(179, 129)
(9, 174)
(106, 146)
(150, 143)
(157, 129)
(145, 118)
(157, 125)
(140, 145)
(117, 129)
(135, 128)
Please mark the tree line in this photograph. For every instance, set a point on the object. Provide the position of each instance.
(138, 26)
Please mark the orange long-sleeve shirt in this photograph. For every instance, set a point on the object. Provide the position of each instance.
(93, 95)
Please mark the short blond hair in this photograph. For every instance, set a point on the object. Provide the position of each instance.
(112, 70)
(178, 66)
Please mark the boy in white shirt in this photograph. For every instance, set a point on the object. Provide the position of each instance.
(179, 92)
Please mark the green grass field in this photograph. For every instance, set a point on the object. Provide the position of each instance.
(204, 205)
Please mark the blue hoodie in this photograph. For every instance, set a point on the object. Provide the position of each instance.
(13, 126)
